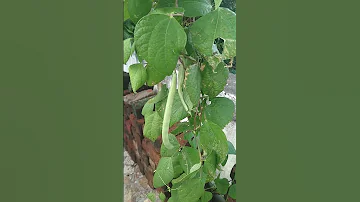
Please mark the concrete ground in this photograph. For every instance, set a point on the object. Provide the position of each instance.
(135, 184)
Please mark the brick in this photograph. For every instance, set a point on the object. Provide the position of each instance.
(181, 139)
(150, 149)
(152, 164)
(145, 158)
(132, 155)
(141, 121)
(157, 144)
(140, 164)
(137, 136)
(149, 176)
(128, 126)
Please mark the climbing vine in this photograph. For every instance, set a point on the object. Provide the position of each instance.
(189, 40)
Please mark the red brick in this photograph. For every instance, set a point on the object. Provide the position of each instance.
(141, 121)
(150, 149)
(136, 134)
(149, 176)
(128, 126)
(181, 139)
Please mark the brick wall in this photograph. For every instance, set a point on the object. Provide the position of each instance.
(142, 150)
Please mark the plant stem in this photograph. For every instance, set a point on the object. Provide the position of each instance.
(167, 113)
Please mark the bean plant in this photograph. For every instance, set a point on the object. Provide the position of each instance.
(179, 38)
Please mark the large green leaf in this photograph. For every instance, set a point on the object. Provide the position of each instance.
(164, 172)
(194, 8)
(138, 8)
(190, 191)
(222, 185)
(159, 39)
(190, 158)
(165, 152)
(177, 112)
(137, 74)
(218, 23)
(220, 111)
(210, 166)
(214, 81)
(212, 138)
(192, 83)
(153, 125)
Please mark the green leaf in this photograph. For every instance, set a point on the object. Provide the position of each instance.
(195, 167)
(137, 76)
(164, 172)
(151, 196)
(216, 58)
(159, 39)
(167, 10)
(194, 8)
(232, 191)
(126, 13)
(191, 190)
(165, 152)
(188, 136)
(212, 138)
(165, 3)
(232, 149)
(150, 104)
(190, 157)
(153, 125)
(178, 112)
(225, 161)
(148, 108)
(192, 83)
(138, 8)
(218, 23)
(206, 197)
(217, 3)
(183, 177)
(176, 158)
(222, 185)
(220, 111)
(162, 196)
(182, 127)
(214, 81)
(128, 49)
(171, 199)
(210, 166)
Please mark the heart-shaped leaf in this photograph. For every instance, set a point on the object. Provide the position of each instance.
(159, 39)
(218, 23)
